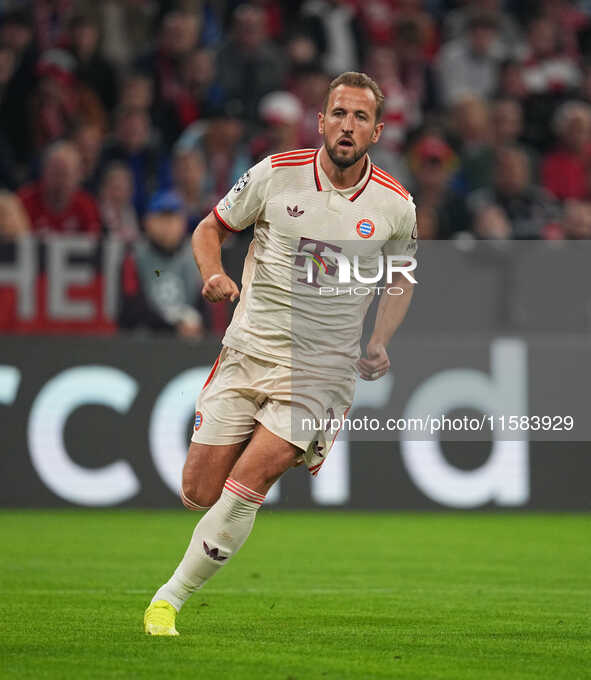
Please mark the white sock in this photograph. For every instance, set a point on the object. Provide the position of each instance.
(218, 535)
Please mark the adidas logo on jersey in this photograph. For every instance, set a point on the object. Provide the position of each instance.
(294, 212)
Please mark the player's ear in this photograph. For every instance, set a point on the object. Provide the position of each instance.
(320, 122)
(377, 132)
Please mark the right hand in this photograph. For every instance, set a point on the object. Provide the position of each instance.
(220, 287)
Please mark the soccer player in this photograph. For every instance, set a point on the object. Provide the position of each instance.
(292, 348)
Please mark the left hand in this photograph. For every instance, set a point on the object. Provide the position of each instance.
(377, 363)
(190, 329)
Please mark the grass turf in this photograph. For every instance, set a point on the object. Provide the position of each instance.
(311, 595)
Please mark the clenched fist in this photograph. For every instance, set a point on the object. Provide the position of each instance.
(220, 287)
(376, 364)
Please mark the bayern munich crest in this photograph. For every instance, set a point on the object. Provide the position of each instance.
(365, 228)
(198, 420)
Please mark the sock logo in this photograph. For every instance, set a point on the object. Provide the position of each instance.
(213, 553)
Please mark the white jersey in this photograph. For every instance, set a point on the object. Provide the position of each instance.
(293, 309)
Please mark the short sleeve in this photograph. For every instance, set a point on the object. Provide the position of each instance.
(405, 239)
(240, 207)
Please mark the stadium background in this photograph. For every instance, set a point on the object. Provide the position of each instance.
(106, 107)
(104, 340)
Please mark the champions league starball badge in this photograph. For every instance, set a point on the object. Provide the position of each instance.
(242, 182)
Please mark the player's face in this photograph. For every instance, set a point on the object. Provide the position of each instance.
(349, 124)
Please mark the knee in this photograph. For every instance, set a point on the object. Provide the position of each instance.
(195, 498)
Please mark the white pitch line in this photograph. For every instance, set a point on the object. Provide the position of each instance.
(403, 589)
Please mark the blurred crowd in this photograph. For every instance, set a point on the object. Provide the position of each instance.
(133, 117)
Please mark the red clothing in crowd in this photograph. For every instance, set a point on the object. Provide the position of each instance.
(81, 216)
(564, 174)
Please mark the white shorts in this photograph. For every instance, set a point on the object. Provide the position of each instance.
(301, 408)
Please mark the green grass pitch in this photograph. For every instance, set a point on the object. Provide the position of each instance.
(310, 596)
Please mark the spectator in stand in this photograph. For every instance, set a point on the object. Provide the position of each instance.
(547, 67)
(433, 164)
(60, 102)
(507, 129)
(575, 223)
(126, 29)
(274, 21)
(585, 89)
(137, 145)
(536, 109)
(413, 12)
(199, 94)
(89, 138)
(116, 203)
(471, 125)
(16, 34)
(178, 37)
(511, 82)
(399, 115)
(507, 121)
(338, 33)
(220, 140)
(564, 170)
(427, 223)
(56, 203)
(188, 172)
(8, 172)
(310, 84)
(161, 285)
(249, 65)
(491, 223)
(281, 113)
(509, 34)
(302, 52)
(550, 76)
(199, 78)
(137, 92)
(51, 22)
(377, 18)
(14, 221)
(92, 68)
(415, 71)
(513, 207)
(469, 65)
(569, 20)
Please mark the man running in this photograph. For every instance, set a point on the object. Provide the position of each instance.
(291, 353)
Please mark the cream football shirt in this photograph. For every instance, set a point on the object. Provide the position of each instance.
(294, 310)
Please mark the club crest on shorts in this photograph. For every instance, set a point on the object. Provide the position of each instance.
(198, 420)
(365, 228)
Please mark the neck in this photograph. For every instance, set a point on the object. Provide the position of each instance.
(342, 178)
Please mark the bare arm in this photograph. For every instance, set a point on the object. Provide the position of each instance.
(391, 312)
(207, 242)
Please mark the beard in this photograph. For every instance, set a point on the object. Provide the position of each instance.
(339, 161)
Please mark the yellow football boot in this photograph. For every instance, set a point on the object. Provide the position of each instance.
(159, 619)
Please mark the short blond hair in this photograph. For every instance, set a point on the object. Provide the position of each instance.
(361, 80)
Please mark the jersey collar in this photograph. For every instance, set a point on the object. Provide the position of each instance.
(352, 193)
